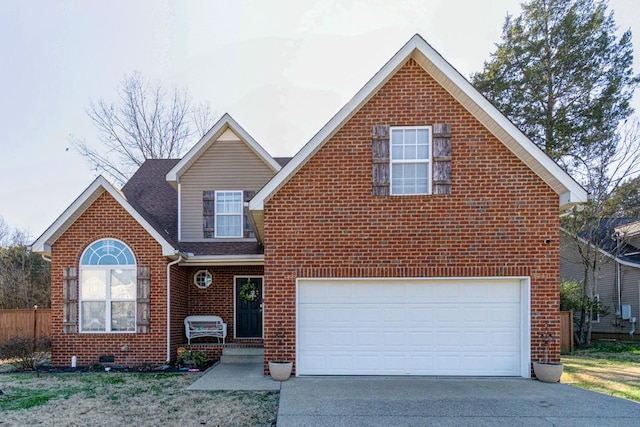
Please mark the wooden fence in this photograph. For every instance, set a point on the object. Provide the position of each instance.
(566, 331)
(24, 323)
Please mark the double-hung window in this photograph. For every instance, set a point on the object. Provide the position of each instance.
(410, 160)
(595, 309)
(228, 214)
(108, 288)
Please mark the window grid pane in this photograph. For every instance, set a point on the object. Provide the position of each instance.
(122, 316)
(410, 170)
(228, 214)
(108, 252)
(93, 316)
(93, 285)
(123, 284)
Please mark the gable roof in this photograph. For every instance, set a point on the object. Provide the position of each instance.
(225, 123)
(604, 237)
(631, 229)
(450, 79)
(98, 187)
(154, 198)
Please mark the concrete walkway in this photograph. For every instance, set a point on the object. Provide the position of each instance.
(235, 376)
(402, 401)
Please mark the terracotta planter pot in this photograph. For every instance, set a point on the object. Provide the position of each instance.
(280, 370)
(548, 372)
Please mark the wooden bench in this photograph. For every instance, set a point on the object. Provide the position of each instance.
(205, 326)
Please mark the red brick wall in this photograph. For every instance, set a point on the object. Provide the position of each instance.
(105, 218)
(325, 222)
(179, 306)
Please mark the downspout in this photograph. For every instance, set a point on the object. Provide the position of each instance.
(618, 278)
(172, 263)
(616, 237)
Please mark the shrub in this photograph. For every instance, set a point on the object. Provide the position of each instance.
(24, 353)
(189, 357)
(570, 296)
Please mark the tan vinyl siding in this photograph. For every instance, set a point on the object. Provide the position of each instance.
(226, 165)
(571, 269)
(630, 292)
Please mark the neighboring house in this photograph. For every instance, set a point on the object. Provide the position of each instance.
(617, 275)
(416, 234)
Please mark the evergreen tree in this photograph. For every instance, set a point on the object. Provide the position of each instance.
(563, 77)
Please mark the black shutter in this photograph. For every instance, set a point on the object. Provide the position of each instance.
(247, 229)
(70, 300)
(143, 299)
(380, 168)
(441, 159)
(208, 214)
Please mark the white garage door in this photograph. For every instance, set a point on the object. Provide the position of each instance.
(472, 327)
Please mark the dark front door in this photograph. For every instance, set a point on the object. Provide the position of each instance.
(248, 307)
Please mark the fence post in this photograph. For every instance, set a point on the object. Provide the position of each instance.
(35, 325)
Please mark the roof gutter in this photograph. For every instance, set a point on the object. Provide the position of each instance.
(172, 263)
(211, 260)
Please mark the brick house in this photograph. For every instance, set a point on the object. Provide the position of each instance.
(416, 234)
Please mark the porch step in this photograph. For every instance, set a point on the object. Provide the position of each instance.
(242, 355)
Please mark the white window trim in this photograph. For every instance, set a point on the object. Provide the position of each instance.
(107, 300)
(429, 162)
(216, 214)
(208, 280)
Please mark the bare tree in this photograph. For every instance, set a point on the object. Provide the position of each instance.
(25, 278)
(602, 173)
(4, 232)
(147, 122)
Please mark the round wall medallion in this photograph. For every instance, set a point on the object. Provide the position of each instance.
(202, 279)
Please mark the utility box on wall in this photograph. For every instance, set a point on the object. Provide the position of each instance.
(625, 311)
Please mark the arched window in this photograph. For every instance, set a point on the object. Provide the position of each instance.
(107, 288)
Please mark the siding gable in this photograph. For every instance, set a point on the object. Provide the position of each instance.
(227, 164)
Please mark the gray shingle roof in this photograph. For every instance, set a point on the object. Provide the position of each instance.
(603, 234)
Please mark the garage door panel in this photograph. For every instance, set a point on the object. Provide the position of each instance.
(430, 327)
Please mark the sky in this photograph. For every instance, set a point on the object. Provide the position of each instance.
(281, 68)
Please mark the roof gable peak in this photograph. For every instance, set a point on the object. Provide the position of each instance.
(98, 187)
(224, 129)
(463, 91)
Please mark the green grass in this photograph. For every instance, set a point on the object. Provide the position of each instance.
(26, 398)
(609, 368)
(160, 399)
(63, 386)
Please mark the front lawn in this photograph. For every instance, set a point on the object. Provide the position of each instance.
(140, 399)
(608, 368)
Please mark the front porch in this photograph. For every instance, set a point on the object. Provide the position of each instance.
(226, 305)
(234, 352)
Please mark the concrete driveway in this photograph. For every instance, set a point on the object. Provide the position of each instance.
(399, 401)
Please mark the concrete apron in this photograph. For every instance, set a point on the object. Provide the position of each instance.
(235, 376)
(394, 401)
